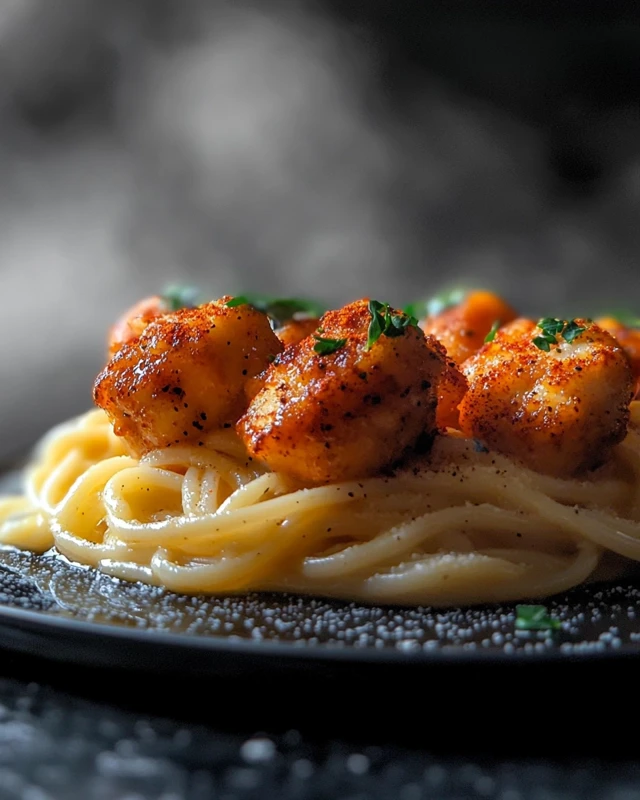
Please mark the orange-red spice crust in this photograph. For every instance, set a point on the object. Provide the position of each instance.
(349, 414)
(559, 412)
(185, 374)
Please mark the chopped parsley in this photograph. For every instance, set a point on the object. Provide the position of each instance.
(552, 328)
(492, 333)
(385, 323)
(572, 330)
(177, 296)
(280, 309)
(437, 304)
(542, 343)
(239, 300)
(535, 618)
(325, 347)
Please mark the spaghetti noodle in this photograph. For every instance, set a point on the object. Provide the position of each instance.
(463, 526)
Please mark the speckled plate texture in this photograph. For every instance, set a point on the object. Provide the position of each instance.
(51, 607)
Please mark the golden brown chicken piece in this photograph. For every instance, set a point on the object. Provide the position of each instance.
(134, 320)
(629, 338)
(451, 390)
(351, 412)
(462, 328)
(185, 374)
(560, 411)
(295, 330)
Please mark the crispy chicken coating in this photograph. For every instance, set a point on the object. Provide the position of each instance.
(185, 375)
(350, 413)
(560, 412)
(295, 330)
(134, 320)
(462, 328)
(629, 338)
(451, 390)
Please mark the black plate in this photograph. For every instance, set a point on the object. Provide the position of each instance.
(60, 610)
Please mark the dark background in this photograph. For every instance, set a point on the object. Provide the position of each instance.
(335, 149)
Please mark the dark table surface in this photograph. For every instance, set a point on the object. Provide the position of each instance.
(506, 732)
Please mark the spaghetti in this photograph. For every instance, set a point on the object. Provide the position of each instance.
(461, 526)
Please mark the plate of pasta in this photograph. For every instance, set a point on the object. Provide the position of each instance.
(447, 480)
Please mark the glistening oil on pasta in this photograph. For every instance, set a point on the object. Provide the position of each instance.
(363, 460)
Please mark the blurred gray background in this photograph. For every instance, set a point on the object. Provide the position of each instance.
(331, 149)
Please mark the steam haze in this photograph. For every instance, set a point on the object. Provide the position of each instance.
(238, 148)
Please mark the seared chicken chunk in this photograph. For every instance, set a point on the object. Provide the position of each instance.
(629, 338)
(558, 407)
(295, 330)
(349, 410)
(134, 320)
(462, 328)
(185, 374)
(451, 390)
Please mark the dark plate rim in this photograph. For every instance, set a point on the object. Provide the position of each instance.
(46, 625)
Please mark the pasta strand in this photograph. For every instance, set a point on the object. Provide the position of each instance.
(455, 527)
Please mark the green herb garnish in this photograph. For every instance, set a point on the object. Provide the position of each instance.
(552, 328)
(385, 323)
(542, 343)
(280, 309)
(177, 296)
(239, 300)
(572, 330)
(435, 305)
(376, 326)
(492, 333)
(325, 347)
(535, 618)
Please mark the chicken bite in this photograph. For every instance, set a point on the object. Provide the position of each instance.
(629, 339)
(557, 401)
(132, 323)
(295, 330)
(338, 405)
(451, 391)
(136, 318)
(463, 327)
(185, 375)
